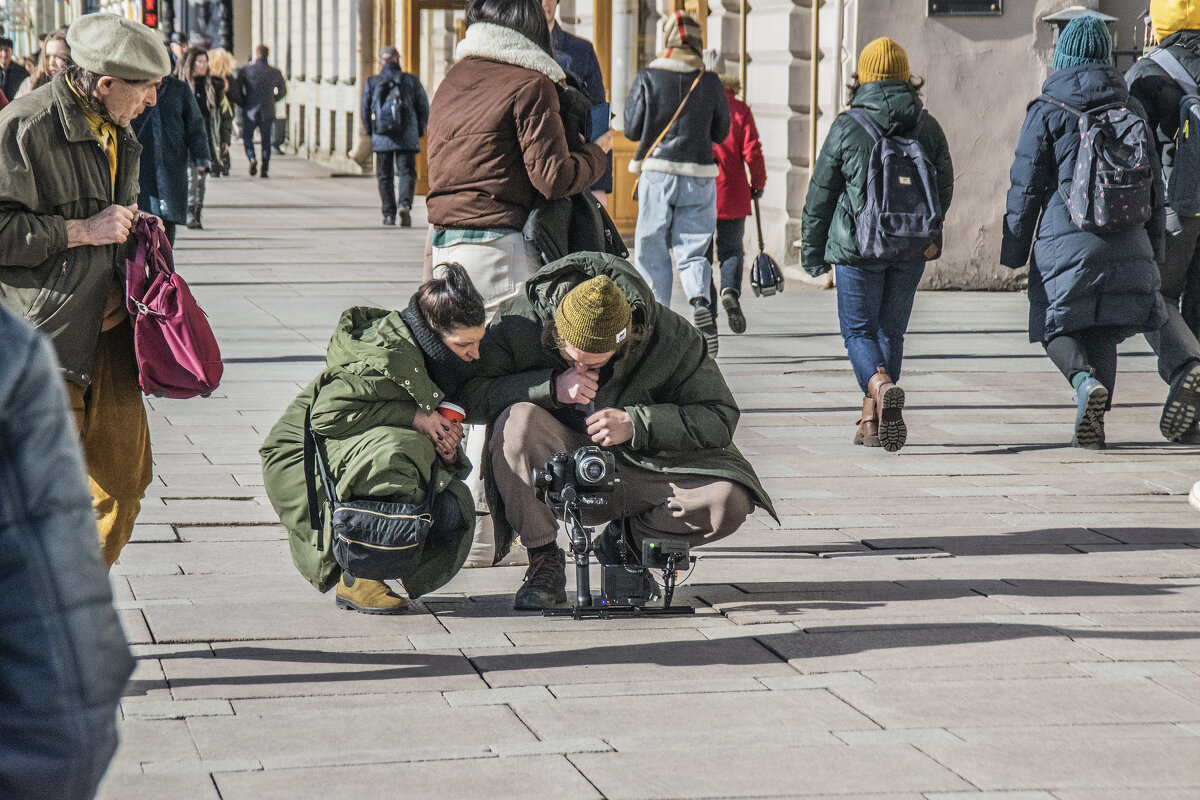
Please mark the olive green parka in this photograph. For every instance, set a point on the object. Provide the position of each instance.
(683, 413)
(363, 403)
(53, 169)
(837, 191)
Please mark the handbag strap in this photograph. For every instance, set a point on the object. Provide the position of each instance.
(315, 456)
(674, 117)
(762, 248)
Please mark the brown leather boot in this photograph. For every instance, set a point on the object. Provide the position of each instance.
(868, 427)
(368, 597)
(889, 403)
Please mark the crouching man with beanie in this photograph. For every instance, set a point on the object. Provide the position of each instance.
(588, 357)
(68, 197)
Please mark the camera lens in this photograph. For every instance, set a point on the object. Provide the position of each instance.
(591, 469)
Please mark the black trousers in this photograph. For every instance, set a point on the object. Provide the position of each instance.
(389, 166)
(1093, 350)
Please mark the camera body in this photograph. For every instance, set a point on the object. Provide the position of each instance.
(586, 478)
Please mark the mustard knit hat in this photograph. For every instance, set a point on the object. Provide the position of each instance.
(883, 60)
(594, 316)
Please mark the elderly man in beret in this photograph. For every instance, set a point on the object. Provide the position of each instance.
(68, 199)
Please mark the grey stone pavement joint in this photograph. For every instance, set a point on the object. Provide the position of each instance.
(988, 614)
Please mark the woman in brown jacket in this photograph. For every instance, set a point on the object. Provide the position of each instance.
(496, 144)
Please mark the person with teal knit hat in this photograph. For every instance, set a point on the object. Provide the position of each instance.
(1088, 291)
(1085, 40)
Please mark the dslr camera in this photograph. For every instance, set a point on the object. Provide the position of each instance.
(586, 478)
(585, 481)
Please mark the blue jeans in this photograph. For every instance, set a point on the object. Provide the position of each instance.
(874, 304)
(265, 128)
(676, 215)
(390, 165)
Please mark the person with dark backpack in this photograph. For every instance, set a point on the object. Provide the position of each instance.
(395, 110)
(875, 205)
(1164, 83)
(1086, 185)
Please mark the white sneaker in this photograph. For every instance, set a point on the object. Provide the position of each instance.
(1194, 496)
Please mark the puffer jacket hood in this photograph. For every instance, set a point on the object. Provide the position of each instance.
(547, 287)
(1077, 279)
(837, 190)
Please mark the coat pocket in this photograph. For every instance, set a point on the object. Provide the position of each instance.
(56, 281)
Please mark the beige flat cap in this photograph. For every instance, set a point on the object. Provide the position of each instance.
(110, 45)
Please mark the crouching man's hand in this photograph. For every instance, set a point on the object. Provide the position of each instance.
(577, 386)
(609, 427)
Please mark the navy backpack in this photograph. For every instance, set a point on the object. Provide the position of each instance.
(902, 218)
(388, 107)
(1183, 190)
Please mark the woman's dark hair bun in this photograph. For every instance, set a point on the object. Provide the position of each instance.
(450, 301)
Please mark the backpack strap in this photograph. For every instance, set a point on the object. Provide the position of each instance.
(866, 122)
(1172, 66)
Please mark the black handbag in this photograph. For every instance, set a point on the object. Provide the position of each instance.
(766, 278)
(372, 539)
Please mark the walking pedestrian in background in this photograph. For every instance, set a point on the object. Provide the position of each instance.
(1177, 342)
(875, 297)
(209, 92)
(174, 142)
(221, 64)
(487, 172)
(12, 74)
(676, 111)
(395, 111)
(1088, 290)
(260, 87)
(55, 55)
(65, 214)
(577, 57)
(741, 149)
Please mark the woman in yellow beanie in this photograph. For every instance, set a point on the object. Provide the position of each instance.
(875, 297)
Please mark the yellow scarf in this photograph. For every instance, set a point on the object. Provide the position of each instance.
(105, 131)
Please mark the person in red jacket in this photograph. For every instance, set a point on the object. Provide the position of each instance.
(740, 149)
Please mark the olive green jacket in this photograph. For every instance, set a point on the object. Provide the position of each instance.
(683, 413)
(53, 169)
(837, 190)
(363, 404)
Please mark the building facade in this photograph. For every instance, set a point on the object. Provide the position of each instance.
(796, 56)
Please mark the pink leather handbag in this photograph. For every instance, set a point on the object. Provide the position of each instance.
(177, 354)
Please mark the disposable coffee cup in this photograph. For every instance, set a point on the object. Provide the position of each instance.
(452, 412)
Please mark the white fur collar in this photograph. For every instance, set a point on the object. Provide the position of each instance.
(498, 43)
(671, 64)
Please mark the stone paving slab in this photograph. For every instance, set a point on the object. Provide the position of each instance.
(989, 613)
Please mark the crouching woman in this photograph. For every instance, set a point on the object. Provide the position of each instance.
(375, 408)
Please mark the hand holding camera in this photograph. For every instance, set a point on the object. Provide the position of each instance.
(610, 427)
(576, 386)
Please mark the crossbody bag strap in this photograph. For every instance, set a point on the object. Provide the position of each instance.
(314, 455)
(663, 133)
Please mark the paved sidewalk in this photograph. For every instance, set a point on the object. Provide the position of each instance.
(987, 614)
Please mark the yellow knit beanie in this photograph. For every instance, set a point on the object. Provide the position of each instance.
(594, 316)
(883, 60)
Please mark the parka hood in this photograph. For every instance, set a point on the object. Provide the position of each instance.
(891, 102)
(1087, 86)
(1172, 16)
(551, 283)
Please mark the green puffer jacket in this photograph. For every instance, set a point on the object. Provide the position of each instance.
(363, 403)
(837, 190)
(683, 413)
(52, 169)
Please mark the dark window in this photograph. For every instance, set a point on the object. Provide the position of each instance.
(973, 7)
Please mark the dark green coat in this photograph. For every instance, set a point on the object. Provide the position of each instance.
(837, 190)
(683, 414)
(363, 403)
(53, 169)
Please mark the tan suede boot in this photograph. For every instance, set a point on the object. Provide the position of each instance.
(868, 427)
(889, 403)
(368, 597)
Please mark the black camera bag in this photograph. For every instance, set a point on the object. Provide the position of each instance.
(372, 539)
(766, 278)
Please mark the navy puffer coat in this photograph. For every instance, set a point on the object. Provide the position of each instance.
(1077, 280)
